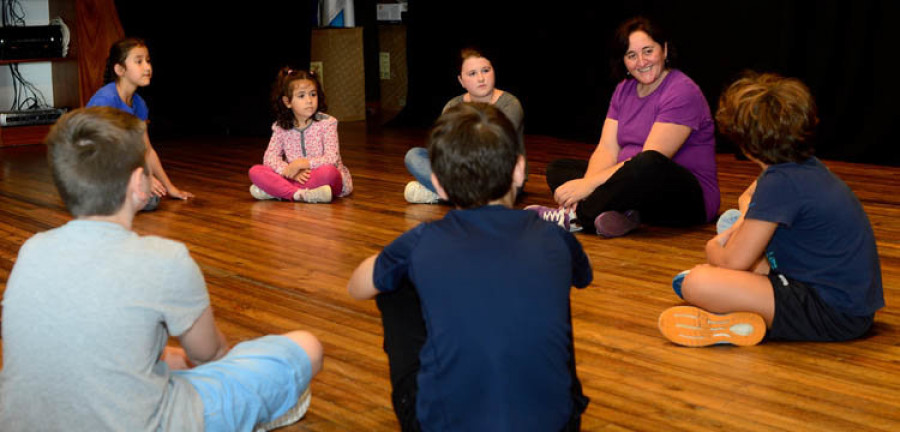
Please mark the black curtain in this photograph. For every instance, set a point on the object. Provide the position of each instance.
(214, 62)
(555, 56)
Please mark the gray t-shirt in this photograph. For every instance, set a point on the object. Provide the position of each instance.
(507, 103)
(87, 310)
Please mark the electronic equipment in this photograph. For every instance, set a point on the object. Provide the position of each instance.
(41, 116)
(31, 42)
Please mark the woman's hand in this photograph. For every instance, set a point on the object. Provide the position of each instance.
(572, 191)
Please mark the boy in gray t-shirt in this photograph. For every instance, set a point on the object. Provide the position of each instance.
(89, 307)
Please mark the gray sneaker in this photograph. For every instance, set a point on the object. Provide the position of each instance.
(417, 193)
(259, 193)
(558, 216)
(321, 194)
(292, 416)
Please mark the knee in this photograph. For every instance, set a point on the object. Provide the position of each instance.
(692, 288)
(415, 155)
(257, 170)
(330, 172)
(648, 159)
(311, 345)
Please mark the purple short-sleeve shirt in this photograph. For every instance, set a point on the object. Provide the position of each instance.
(677, 100)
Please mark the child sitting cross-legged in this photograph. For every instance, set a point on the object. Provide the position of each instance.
(475, 306)
(800, 263)
(89, 308)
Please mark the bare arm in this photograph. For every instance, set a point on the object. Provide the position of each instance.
(601, 167)
(361, 285)
(203, 342)
(667, 138)
(741, 247)
(157, 171)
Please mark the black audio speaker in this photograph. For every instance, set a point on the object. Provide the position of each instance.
(30, 42)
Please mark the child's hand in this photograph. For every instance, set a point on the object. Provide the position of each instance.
(156, 187)
(295, 167)
(745, 198)
(302, 176)
(176, 358)
(174, 192)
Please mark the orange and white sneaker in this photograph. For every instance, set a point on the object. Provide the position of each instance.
(695, 327)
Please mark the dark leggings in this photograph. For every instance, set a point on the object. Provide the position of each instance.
(404, 335)
(665, 193)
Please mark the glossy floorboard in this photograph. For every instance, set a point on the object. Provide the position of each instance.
(277, 266)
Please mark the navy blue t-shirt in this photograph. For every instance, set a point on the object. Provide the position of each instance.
(824, 237)
(494, 285)
(109, 96)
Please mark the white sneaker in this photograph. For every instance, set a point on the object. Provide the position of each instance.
(321, 194)
(417, 193)
(292, 416)
(259, 193)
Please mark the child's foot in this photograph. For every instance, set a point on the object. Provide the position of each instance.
(417, 193)
(259, 194)
(695, 327)
(561, 217)
(728, 218)
(292, 416)
(677, 281)
(321, 194)
(616, 224)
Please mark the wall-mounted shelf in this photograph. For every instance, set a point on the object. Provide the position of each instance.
(64, 75)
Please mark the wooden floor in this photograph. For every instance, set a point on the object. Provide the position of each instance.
(276, 266)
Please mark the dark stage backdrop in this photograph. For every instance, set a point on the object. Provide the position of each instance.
(214, 63)
(555, 56)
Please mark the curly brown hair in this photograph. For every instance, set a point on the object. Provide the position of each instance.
(771, 118)
(284, 87)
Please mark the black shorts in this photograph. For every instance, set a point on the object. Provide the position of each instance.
(801, 315)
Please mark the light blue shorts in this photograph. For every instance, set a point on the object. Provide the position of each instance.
(257, 381)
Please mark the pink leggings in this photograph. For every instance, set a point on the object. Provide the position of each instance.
(280, 187)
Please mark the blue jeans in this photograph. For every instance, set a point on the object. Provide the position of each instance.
(418, 162)
(419, 165)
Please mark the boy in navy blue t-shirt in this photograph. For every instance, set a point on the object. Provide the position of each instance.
(801, 263)
(475, 306)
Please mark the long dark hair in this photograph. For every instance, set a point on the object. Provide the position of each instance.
(118, 52)
(283, 87)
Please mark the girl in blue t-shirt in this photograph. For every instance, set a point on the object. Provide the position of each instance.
(127, 69)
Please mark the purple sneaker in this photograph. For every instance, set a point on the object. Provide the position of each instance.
(560, 217)
(616, 224)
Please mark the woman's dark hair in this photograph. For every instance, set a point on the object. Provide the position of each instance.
(620, 43)
(284, 87)
(771, 118)
(118, 52)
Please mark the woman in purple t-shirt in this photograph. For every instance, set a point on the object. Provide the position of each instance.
(656, 158)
